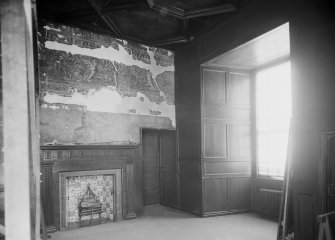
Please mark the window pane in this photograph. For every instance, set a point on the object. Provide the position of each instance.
(273, 114)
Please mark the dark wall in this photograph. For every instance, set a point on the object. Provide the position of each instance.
(312, 31)
(312, 53)
(188, 129)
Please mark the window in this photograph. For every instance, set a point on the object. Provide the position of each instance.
(273, 114)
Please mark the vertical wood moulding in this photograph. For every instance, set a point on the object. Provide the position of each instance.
(47, 194)
(130, 196)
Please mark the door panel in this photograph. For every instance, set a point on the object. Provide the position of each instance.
(151, 189)
(169, 194)
(168, 168)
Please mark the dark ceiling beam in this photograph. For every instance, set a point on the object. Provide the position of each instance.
(89, 27)
(46, 15)
(106, 18)
(186, 27)
(202, 12)
(77, 14)
(168, 41)
(165, 7)
(129, 5)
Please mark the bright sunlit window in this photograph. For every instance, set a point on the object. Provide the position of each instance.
(273, 114)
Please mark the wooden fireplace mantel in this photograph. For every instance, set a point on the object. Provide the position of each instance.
(57, 159)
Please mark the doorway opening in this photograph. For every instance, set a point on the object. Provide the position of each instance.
(160, 182)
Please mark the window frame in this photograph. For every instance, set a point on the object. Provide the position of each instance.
(255, 172)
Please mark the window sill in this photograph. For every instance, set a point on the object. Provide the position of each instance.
(270, 178)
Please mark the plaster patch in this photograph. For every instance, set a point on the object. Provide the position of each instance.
(109, 100)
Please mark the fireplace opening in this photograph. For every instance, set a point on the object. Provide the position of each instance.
(90, 197)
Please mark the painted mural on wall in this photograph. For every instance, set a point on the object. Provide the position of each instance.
(96, 89)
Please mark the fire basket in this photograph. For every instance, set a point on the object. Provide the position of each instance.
(89, 204)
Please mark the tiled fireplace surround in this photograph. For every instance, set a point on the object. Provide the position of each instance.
(70, 163)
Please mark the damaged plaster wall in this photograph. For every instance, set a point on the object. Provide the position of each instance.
(96, 89)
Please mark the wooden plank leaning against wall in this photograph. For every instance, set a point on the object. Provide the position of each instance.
(21, 151)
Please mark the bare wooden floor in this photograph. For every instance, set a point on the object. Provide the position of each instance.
(163, 223)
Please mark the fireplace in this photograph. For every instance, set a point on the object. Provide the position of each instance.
(89, 197)
(62, 163)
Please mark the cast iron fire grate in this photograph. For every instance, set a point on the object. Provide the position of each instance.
(89, 204)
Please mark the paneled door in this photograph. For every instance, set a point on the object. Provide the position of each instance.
(151, 183)
(160, 183)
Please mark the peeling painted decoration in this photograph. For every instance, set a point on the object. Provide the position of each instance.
(87, 77)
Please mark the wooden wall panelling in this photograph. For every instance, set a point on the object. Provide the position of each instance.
(226, 141)
(240, 141)
(138, 170)
(312, 54)
(216, 196)
(130, 191)
(240, 194)
(239, 89)
(219, 111)
(215, 140)
(222, 168)
(214, 86)
(190, 194)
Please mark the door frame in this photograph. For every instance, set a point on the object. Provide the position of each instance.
(158, 131)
